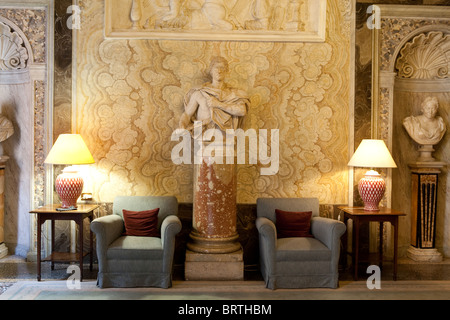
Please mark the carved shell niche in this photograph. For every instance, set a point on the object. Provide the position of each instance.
(13, 55)
(427, 56)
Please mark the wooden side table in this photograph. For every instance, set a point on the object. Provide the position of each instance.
(49, 212)
(359, 216)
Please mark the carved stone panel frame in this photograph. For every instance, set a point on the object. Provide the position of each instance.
(235, 20)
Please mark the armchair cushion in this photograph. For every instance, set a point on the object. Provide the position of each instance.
(135, 248)
(302, 249)
(293, 224)
(141, 223)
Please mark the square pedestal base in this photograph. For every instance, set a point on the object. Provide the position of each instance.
(3, 251)
(214, 267)
(424, 255)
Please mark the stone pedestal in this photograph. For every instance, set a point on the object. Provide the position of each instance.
(424, 177)
(214, 213)
(3, 248)
(214, 252)
(424, 255)
(214, 267)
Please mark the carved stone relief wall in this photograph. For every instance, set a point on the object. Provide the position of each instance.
(267, 20)
(129, 100)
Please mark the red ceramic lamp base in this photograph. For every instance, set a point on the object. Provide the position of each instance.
(69, 186)
(371, 189)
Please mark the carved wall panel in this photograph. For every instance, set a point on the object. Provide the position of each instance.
(258, 20)
(129, 97)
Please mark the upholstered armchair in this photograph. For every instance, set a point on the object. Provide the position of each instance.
(298, 262)
(136, 261)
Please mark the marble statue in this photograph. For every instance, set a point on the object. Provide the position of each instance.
(427, 129)
(219, 108)
(215, 104)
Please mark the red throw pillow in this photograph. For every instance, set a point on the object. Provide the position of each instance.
(141, 223)
(293, 224)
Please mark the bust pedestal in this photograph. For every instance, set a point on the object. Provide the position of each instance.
(3, 248)
(424, 177)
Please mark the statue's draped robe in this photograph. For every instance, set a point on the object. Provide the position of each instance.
(219, 119)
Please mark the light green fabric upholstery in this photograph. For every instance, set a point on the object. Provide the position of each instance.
(298, 262)
(128, 261)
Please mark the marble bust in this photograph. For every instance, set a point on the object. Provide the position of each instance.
(6, 130)
(215, 104)
(426, 129)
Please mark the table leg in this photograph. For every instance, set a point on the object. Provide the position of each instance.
(380, 249)
(395, 223)
(53, 245)
(91, 243)
(80, 232)
(344, 241)
(355, 247)
(38, 245)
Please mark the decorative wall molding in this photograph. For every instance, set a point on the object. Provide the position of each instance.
(14, 77)
(414, 11)
(269, 21)
(411, 85)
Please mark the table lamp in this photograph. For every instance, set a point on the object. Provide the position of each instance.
(372, 154)
(69, 149)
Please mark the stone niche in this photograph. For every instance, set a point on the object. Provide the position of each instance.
(411, 63)
(25, 99)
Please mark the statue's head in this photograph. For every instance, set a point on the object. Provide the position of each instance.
(430, 107)
(218, 63)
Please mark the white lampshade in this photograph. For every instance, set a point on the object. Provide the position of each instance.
(69, 149)
(372, 154)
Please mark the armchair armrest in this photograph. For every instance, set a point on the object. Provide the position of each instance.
(170, 227)
(267, 244)
(107, 229)
(267, 229)
(328, 231)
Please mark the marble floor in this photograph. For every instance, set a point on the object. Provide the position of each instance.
(14, 269)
